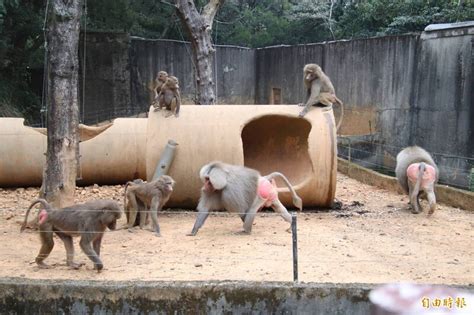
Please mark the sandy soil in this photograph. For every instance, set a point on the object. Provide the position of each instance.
(373, 238)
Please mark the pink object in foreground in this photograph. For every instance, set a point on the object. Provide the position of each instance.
(420, 299)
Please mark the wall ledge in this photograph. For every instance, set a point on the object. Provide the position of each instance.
(445, 194)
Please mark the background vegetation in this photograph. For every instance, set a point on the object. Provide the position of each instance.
(251, 23)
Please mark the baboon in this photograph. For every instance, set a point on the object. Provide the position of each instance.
(156, 85)
(142, 218)
(88, 220)
(242, 190)
(417, 173)
(154, 196)
(170, 96)
(319, 90)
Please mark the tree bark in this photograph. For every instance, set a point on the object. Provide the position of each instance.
(59, 180)
(199, 28)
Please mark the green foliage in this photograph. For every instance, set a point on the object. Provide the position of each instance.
(21, 41)
(247, 23)
(416, 15)
(383, 17)
(148, 18)
(261, 23)
(109, 15)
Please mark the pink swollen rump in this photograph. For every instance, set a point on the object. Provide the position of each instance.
(429, 175)
(267, 191)
(43, 215)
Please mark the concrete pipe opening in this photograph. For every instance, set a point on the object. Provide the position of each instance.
(278, 143)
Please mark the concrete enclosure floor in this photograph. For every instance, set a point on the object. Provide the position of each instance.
(373, 238)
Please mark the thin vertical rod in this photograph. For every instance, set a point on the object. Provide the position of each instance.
(295, 247)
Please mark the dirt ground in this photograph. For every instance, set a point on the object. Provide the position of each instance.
(373, 238)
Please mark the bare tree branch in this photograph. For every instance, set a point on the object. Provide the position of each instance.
(199, 28)
(210, 11)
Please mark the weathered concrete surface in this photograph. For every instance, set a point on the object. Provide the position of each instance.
(235, 75)
(281, 67)
(23, 296)
(442, 109)
(451, 196)
(374, 75)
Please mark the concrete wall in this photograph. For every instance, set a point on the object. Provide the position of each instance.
(407, 90)
(23, 296)
(443, 109)
(236, 77)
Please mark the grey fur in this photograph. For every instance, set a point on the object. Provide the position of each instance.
(405, 158)
(153, 195)
(88, 220)
(238, 193)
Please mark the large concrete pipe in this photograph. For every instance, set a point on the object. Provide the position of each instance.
(112, 157)
(265, 137)
(117, 155)
(22, 154)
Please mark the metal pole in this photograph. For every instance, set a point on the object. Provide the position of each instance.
(295, 247)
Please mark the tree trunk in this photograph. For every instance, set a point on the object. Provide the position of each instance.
(199, 28)
(59, 180)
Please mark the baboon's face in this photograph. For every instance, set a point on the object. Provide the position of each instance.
(311, 72)
(162, 76)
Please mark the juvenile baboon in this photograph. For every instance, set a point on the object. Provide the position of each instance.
(319, 90)
(88, 220)
(417, 173)
(156, 85)
(154, 196)
(142, 218)
(242, 190)
(170, 96)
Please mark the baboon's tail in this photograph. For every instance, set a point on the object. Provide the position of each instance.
(296, 199)
(342, 113)
(43, 202)
(125, 195)
(421, 171)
